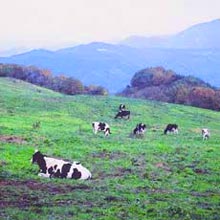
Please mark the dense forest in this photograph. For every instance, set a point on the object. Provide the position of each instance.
(167, 86)
(45, 78)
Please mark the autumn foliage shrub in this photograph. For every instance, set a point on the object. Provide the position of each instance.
(45, 78)
(167, 86)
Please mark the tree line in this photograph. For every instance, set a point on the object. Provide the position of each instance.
(45, 78)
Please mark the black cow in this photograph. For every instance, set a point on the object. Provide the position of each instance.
(140, 129)
(52, 167)
(123, 114)
(171, 128)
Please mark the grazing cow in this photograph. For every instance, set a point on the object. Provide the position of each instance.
(140, 129)
(205, 134)
(121, 107)
(52, 167)
(171, 128)
(101, 126)
(123, 114)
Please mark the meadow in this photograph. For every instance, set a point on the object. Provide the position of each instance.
(155, 177)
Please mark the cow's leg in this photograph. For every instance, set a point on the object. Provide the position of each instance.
(94, 131)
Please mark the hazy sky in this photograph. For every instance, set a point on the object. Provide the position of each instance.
(48, 23)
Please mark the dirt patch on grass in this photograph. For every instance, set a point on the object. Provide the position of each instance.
(201, 171)
(196, 130)
(105, 154)
(12, 139)
(113, 199)
(33, 193)
(153, 191)
(163, 166)
(120, 172)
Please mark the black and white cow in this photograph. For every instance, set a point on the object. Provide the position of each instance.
(52, 167)
(205, 134)
(121, 107)
(123, 114)
(171, 128)
(101, 126)
(140, 129)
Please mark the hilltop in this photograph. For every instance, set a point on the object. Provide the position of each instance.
(154, 177)
(165, 85)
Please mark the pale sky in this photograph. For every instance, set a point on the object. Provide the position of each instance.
(56, 23)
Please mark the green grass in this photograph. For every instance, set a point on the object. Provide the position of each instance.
(154, 177)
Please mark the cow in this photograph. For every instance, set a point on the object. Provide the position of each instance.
(171, 128)
(205, 134)
(123, 114)
(58, 168)
(140, 129)
(121, 107)
(101, 126)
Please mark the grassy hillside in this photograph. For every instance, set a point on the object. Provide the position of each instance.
(155, 177)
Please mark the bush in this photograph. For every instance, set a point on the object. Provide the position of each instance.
(153, 77)
(165, 85)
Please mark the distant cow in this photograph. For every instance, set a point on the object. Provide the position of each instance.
(205, 134)
(52, 167)
(101, 126)
(140, 129)
(123, 114)
(121, 107)
(171, 128)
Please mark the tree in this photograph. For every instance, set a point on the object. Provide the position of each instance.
(202, 97)
(96, 90)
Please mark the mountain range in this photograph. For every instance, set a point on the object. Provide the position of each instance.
(199, 36)
(194, 51)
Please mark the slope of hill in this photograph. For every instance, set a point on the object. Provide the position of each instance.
(131, 177)
(112, 66)
(167, 86)
(200, 36)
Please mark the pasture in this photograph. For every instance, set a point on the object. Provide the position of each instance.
(155, 177)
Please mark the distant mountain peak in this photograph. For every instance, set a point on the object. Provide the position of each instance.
(199, 36)
(35, 52)
(215, 21)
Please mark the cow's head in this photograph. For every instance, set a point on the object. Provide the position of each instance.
(37, 156)
(205, 131)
